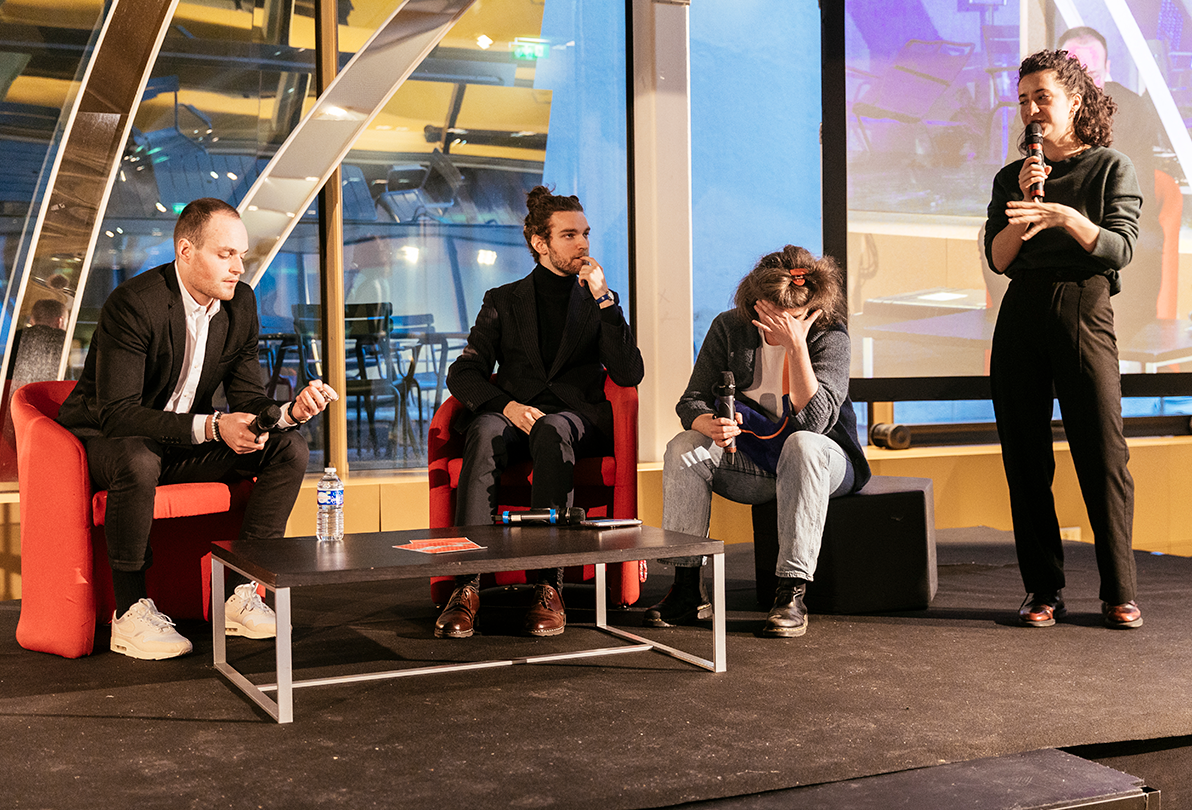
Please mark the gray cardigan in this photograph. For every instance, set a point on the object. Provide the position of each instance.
(731, 345)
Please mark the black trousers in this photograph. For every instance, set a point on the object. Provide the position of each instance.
(1060, 335)
(131, 468)
(492, 444)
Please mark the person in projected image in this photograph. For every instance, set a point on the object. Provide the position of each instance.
(1137, 132)
(1055, 330)
(794, 439)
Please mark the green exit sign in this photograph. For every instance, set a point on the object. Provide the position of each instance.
(530, 49)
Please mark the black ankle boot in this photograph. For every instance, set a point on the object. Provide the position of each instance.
(788, 617)
(686, 601)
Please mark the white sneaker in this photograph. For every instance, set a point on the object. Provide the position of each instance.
(246, 615)
(147, 633)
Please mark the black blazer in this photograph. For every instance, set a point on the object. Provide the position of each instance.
(136, 358)
(594, 341)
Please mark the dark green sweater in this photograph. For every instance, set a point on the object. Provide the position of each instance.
(1099, 183)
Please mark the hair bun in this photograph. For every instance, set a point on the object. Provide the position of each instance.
(537, 196)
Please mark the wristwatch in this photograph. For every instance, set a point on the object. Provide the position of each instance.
(609, 295)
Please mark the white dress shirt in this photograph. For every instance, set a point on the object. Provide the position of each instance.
(198, 324)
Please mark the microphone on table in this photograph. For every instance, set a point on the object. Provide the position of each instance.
(727, 407)
(570, 515)
(266, 420)
(1034, 148)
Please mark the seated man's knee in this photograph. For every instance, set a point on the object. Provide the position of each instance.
(291, 450)
(136, 463)
(552, 436)
(554, 427)
(486, 427)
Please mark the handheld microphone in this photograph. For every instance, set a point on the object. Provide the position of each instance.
(727, 408)
(266, 420)
(1034, 148)
(571, 515)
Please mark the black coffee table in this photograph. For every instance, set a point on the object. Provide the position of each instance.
(294, 562)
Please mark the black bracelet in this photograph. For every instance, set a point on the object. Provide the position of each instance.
(215, 427)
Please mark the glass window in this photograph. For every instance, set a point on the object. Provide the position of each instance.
(42, 57)
(518, 93)
(932, 111)
(755, 116)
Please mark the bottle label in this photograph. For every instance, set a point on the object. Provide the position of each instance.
(331, 497)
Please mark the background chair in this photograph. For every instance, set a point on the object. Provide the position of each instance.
(66, 582)
(604, 487)
(372, 374)
(431, 353)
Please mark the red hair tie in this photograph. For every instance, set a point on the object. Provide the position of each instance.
(797, 276)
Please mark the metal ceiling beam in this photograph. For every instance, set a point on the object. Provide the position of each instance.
(288, 185)
(92, 145)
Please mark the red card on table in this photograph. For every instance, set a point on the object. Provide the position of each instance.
(440, 545)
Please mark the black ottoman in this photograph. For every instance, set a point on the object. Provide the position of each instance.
(878, 551)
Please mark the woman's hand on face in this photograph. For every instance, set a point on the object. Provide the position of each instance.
(788, 327)
(1033, 171)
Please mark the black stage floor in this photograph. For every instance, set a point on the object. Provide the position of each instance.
(855, 697)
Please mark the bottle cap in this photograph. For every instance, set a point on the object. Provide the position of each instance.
(328, 469)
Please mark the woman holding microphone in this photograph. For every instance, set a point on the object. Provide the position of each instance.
(1063, 250)
(785, 351)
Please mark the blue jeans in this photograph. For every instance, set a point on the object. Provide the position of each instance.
(811, 469)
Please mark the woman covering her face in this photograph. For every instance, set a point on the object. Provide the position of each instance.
(795, 436)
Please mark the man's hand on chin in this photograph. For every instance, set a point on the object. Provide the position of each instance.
(591, 275)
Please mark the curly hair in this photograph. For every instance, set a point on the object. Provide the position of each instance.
(1094, 120)
(542, 204)
(772, 280)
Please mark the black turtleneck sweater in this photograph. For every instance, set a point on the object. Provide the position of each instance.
(552, 295)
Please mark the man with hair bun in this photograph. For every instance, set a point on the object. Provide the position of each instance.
(552, 337)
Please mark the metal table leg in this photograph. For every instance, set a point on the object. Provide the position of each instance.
(219, 637)
(283, 709)
(285, 657)
(719, 657)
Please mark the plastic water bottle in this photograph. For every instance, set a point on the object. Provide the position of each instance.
(330, 524)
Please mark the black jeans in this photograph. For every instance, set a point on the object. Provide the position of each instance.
(1061, 334)
(131, 468)
(492, 444)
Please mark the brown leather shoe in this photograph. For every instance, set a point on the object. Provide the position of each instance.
(459, 616)
(546, 617)
(1041, 609)
(1121, 617)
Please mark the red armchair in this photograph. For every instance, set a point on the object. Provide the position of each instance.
(66, 582)
(604, 487)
